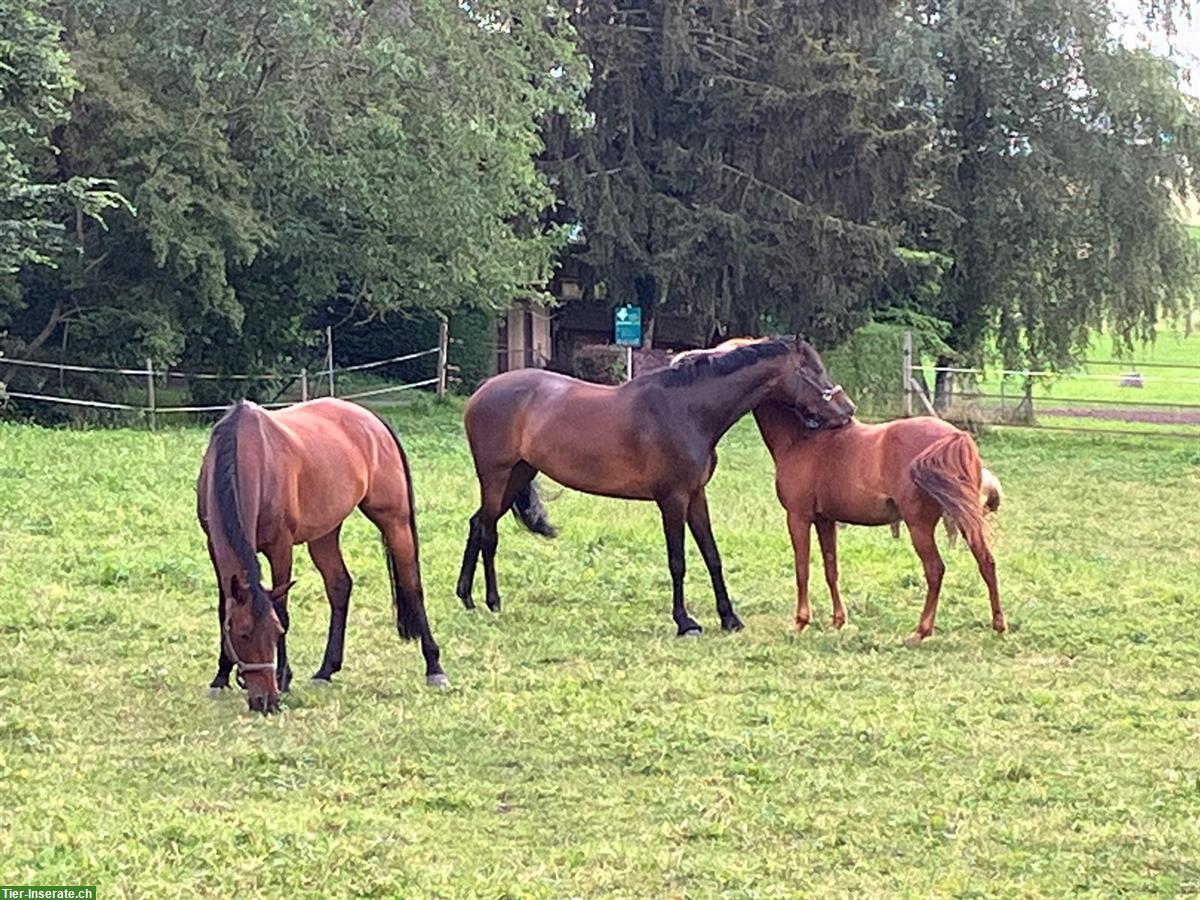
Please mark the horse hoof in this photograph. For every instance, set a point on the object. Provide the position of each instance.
(467, 602)
(214, 693)
(799, 626)
(733, 623)
(1000, 626)
(915, 639)
(494, 607)
(320, 681)
(439, 681)
(691, 633)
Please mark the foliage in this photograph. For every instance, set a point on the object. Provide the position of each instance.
(746, 164)
(583, 750)
(867, 363)
(287, 157)
(472, 345)
(1064, 155)
(36, 85)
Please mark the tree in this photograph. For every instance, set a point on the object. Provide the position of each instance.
(284, 156)
(36, 84)
(747, 166)
(1064, 155)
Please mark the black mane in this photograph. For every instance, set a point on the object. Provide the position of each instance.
(225, 489)
(701, 366)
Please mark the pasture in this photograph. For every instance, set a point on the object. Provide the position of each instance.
(582, 749)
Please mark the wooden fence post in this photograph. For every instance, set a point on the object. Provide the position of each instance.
(304, 384)
(443, 355)
(329, 357)
(150, 390)
(906, 378)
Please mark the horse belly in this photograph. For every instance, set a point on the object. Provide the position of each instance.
(322, 498)
(876, 509)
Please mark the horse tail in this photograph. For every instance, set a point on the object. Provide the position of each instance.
(531, 512)
(410, 610)
(229, 509)
(990, 490)
(948, 471)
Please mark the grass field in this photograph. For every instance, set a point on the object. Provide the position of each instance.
(583, 750)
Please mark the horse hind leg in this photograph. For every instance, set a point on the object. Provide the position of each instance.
(921, 531)
(466, 574)
(496, 502)
(987, 569)
(398, 529)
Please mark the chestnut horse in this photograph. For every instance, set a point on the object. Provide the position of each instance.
(652, 438)
(911, 470)
(271, 480)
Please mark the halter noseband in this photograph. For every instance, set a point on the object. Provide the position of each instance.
(242, 667)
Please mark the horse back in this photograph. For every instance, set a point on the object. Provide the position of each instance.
(325, 457)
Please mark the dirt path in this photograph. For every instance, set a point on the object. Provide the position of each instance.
(1131, 414)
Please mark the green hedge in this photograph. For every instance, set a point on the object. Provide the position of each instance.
(867, 363)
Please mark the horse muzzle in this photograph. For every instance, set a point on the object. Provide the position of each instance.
(265, 703)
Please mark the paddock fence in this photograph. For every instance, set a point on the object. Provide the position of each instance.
(1101, 397)
(150, 391)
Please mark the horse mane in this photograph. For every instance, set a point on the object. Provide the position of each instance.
(700, 365)
(225, 490)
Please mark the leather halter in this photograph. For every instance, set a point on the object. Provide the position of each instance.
(242, 667)
(827, 394)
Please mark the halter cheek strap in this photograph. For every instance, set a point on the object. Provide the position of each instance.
(827, 394)
(242, 667)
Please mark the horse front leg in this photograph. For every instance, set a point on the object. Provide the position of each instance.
(280, 559)
(674, 510)
(326, 555)
(798, 527)
(701, 527)
(224, 663)
(827, 538)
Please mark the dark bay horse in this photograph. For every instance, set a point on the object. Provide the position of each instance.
(271, 480)
(912, 470)
(652, 438)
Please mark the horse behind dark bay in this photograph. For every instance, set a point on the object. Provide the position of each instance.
(652, 438)
(271, 480)
(914, 471)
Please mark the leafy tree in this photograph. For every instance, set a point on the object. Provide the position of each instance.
(36, 85)
(1063, 158)
(285, 157)
(747, 166)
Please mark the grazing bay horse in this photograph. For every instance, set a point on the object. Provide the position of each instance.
(271, 480)
(912, 470)
(652, 438)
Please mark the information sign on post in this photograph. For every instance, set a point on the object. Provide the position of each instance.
(627, 324)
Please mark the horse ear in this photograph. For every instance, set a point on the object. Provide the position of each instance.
(237, 590)
(281, 591)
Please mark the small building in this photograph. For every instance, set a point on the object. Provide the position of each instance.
(549, 337)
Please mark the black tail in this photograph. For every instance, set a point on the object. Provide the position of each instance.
(410, 611)
(527, 507)
(408, 619)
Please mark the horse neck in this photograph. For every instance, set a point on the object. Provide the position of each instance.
(719, 402)
(236, 488)
(779, 425)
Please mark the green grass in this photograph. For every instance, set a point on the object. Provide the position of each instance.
(1102, 382)
(584, 750)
